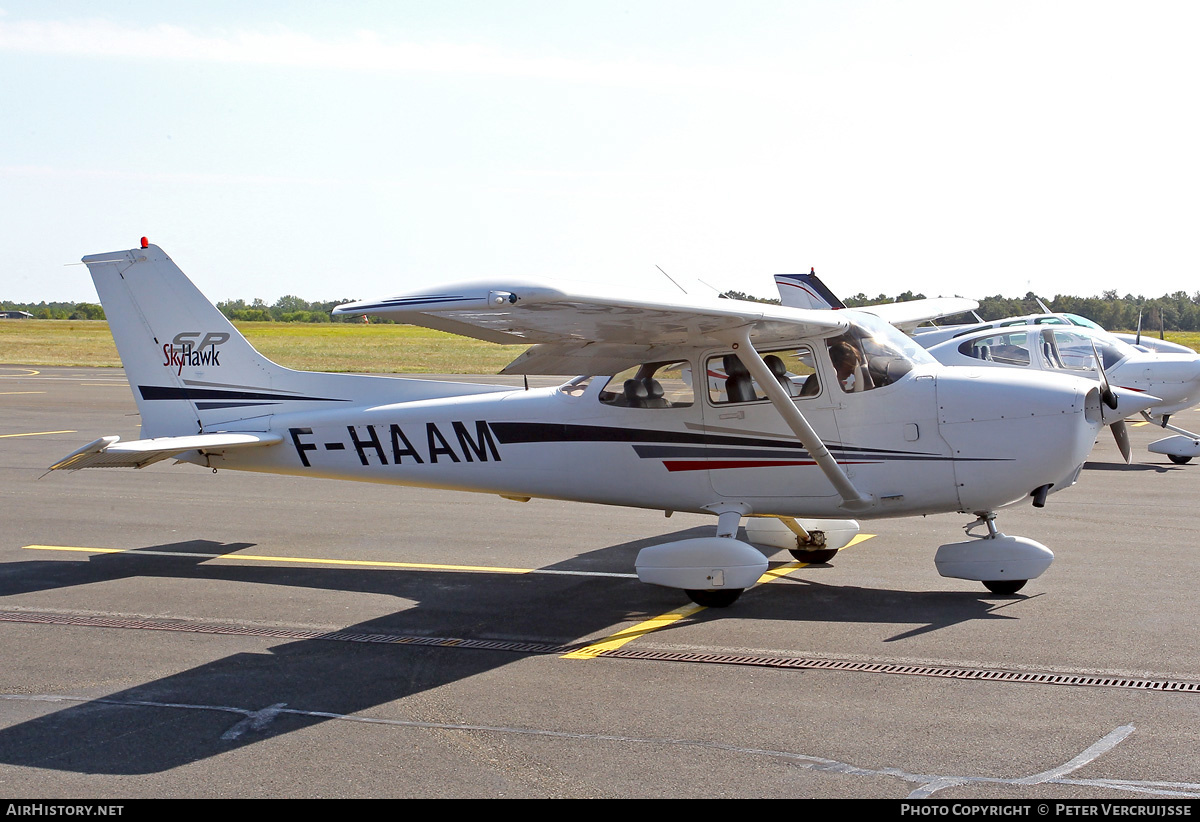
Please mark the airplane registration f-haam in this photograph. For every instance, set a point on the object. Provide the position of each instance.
(821, 416)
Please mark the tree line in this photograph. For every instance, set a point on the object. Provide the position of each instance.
(287, 309)
(1170, 312)
(57, 311)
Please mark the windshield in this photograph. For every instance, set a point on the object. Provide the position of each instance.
(881, 338)
(873, 353)
(1082, 321)
(1073, 351)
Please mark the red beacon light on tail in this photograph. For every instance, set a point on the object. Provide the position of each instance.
(145, 243)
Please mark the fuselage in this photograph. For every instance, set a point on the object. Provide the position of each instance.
(936, 439)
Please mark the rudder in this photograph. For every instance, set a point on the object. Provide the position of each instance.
(806, 291)
(189, 368)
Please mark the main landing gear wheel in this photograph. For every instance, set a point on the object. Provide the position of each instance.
(815, 557)
(1178, 460)
(1004, 586)
(715, 599)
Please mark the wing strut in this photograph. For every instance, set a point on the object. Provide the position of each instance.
(853, 500)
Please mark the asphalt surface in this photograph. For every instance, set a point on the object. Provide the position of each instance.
(240, 635)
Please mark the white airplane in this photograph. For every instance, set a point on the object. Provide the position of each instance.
(1074, 350)
(913, 437)
(1165, 375)
(1169, 375)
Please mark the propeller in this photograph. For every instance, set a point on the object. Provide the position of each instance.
(1119, 431)
(1106, 393)
(1121, 435)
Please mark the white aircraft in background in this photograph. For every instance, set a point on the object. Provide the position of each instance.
(1170, 374)
(907, 436)
(807, 291)
(1074, 350)
(1166, 375)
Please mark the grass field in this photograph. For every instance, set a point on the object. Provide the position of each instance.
(401, 349)
(358, 347)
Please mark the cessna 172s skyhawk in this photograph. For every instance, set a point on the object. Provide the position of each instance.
(821, 414)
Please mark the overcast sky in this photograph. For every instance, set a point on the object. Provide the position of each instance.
(358, 149)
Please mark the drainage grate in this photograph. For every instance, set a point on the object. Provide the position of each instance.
(1040, 678)
(807, 663)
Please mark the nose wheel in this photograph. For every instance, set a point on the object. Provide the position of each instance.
(1004, 586)
(1002, 563)
(996, 586)
(715, 599)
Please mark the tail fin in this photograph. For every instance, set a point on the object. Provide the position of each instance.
(189, 368)
(805, 291)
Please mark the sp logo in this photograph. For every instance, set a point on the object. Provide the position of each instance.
(186, 338)
(194, 349)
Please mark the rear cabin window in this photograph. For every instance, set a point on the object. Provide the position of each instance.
(651, 385)
(729, 381)
(1009, 349)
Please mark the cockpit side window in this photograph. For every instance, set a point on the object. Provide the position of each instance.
(651, 385)
(872, 356)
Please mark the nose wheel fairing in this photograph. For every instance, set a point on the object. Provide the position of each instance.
(1002, 563)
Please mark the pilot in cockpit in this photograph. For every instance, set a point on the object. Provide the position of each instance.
(845, 360)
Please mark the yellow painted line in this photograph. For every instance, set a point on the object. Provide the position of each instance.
(355, 562)
(591, 651)
(642, 628)
(1137, 424)
(106, 384)
(629, 634)
(36, 434)
(7, 393)
(776, 574)
(29, 372)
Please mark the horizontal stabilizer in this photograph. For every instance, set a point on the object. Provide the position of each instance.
(807, 291)
(908, 314)
(109, 452)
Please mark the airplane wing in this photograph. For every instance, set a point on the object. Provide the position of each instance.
(908, 315)
(577, 331)
(1162, 346)
(109, 452)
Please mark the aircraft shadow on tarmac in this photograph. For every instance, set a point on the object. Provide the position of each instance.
(190, 716)
(1136, 466)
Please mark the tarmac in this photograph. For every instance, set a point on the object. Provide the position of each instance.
(171, 632)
